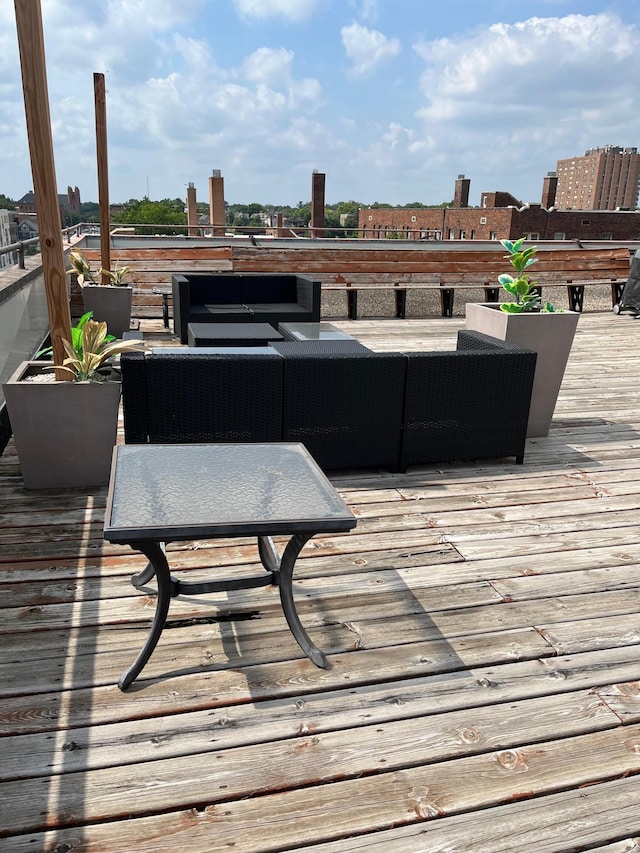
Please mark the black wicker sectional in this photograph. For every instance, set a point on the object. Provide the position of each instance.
(355, 409)
(204, 297)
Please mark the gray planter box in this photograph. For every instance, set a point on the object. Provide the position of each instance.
(64, 431)
(109, 304)
(550, 335)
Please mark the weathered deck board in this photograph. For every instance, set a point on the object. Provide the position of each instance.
(483, 628)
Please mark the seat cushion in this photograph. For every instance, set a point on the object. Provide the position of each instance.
(276, 308)
(280, 312)
(212, 313)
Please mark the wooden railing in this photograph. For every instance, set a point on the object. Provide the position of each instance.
(356, 267)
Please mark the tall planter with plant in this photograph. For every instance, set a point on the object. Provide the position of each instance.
(529, 322)
(110, 302)
(65, 432)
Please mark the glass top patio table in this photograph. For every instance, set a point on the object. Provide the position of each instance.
(174, 492)
(313, 332)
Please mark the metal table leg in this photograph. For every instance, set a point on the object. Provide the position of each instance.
(282, 568)
(154, 552)
(148, 572)
(280, 571)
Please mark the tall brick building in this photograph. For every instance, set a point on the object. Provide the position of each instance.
(604, 179)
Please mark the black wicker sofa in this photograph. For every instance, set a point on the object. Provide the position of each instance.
(352, 410)
(207, 297)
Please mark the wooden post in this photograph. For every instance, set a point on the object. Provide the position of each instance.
(36, 104)
(103, 172)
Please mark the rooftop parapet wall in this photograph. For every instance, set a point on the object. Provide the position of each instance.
(344, 262)
(24, 322)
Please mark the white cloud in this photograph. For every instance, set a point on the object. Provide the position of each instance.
(366, 48)
(268, 69)
(525, 94)
(365, 10)
(500, 104)
(204, 112)
(267, 65)
(535, 62)
(292, 10)
(173, 111)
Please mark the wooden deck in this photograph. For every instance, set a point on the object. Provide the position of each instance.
(483, 629)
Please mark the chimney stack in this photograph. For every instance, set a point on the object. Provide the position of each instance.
(461, 194)
(317, 203)
(549, 189)
(192, 212)
(216, 203)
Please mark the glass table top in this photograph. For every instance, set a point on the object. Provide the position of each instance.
(168, 492)
(313, 332)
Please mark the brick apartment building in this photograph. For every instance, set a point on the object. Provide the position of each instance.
(67, 203)
(500, 216)
(604, 179)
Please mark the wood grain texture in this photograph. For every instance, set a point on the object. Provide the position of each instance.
(482, 628)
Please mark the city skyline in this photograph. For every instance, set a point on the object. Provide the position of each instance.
(390, 101)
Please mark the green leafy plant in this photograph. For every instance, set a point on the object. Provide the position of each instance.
(527, 298)
(87, 357)
(117, 275)
(76, 338)
(82, 268)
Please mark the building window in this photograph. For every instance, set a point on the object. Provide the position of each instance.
(559, 235)
(452, 234)
(586, 222)
(413, 218)
(483, 220)
(463, 235)
(607, 235)
(493, 235)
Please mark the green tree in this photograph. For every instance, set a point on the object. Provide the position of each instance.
(6, 203)
(168, 212)
(90, 211)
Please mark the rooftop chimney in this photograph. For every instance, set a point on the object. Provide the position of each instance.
(216, 203)
(317, 203)
(192, 212)
(461, 194)
(549, 189)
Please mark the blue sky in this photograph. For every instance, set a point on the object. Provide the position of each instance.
(392, 99)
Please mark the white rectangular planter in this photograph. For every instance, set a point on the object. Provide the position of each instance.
(64, 431)
(549, 335)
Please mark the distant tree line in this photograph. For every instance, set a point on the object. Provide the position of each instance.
(340, 220)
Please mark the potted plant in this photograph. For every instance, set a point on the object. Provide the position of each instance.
(529, 322)
(65, 431)
(110, 302)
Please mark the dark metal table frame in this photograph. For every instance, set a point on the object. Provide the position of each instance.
(279, 568)
(166, 294)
